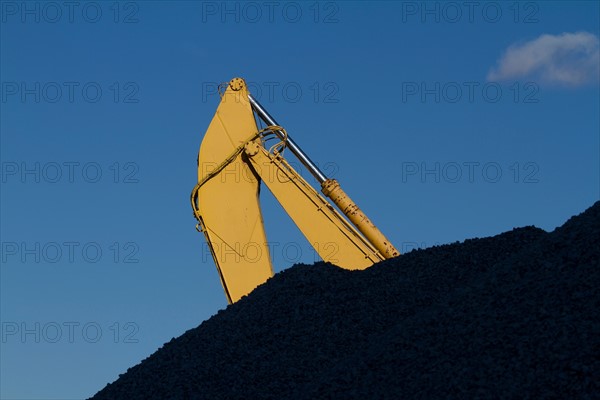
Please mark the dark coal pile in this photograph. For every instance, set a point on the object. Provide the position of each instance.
(516, 315)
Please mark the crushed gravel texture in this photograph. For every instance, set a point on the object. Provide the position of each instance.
(516, 315)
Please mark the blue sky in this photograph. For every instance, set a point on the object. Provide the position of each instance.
(443, 123)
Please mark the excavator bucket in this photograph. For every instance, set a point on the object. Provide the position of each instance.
(227, 200)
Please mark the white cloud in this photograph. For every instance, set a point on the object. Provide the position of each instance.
(571, 59)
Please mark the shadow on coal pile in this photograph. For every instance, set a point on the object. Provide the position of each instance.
(511, 316)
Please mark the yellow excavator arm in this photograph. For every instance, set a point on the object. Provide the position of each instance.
(232, 161)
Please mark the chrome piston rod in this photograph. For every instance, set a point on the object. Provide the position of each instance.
(297, 151)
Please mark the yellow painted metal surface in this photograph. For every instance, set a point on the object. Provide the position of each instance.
(331, 188)
(232, 162)
(228, 201)
(332, 237)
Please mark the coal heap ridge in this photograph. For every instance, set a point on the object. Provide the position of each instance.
(510, 316)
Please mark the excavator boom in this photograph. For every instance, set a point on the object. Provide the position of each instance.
(232, 163)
